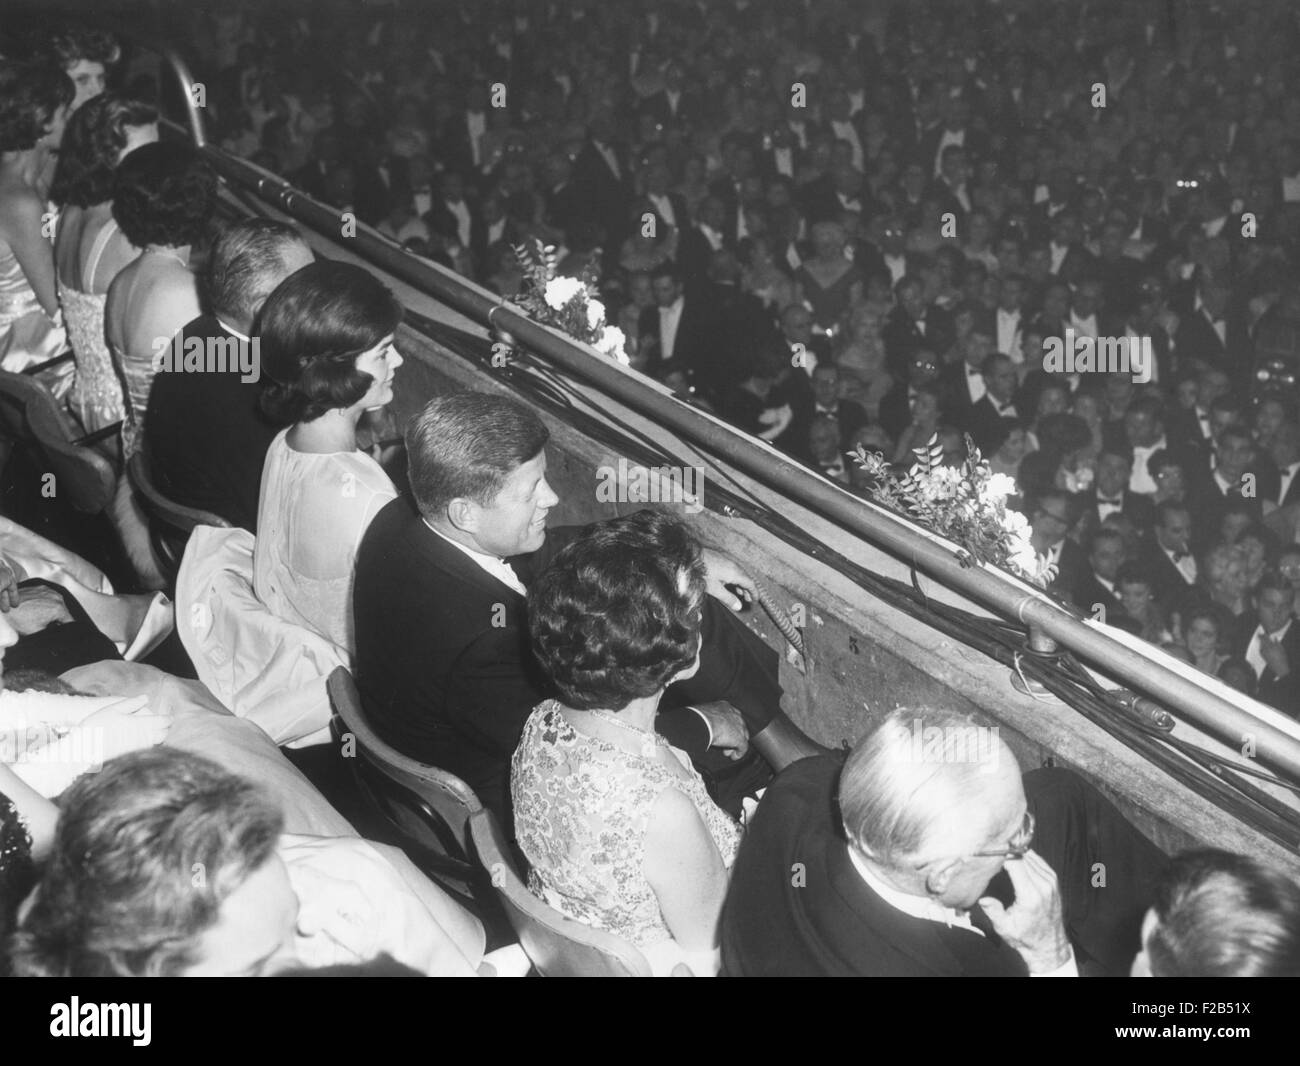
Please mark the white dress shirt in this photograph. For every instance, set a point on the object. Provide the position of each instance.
(476, 124)
(1008, 339)
(975, 386)
(783, 160)
(460, 212)
(897, 267)
(1084, 327)
(1059, 252)
(1287, 477)
(846, 131)
(670, 318)
(1141, 480)
(1185, 563)
(663, 206)
(931, 910)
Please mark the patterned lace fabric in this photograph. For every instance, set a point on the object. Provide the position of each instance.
(97, 394)
(582, 807)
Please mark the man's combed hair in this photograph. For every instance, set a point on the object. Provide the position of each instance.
(95, 136)
(891, 797)
(144, 854)
(163, 194)
(71, 45)
(617, 614)
(245, 266)
(464, 445)
(30, 93)
(1225, 915)
(311, 330)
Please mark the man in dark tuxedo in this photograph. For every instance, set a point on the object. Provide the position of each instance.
(738, 166)
(1070, 260)
(1095, 586)
(460, 140)
(204, 430)
(700, 240)
(1233, 479)
(912, 325)
(904, 862)
(849, 417)
(564, 203)
(672, 104)
(668, 207)
(1166, 556)
(443, 661)
(602, 177)
(450, 214)
(950, 188)
(984, 419)
(1216, 335)
(1111, 493)
(897, 404)
(682, 326)
(1120, 274)
(1283, 485)
(1273, 649)
(1051, 517)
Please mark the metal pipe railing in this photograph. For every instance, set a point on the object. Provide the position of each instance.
(992, 589)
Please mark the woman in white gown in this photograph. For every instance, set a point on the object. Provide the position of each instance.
(326, 342)
(34, 102)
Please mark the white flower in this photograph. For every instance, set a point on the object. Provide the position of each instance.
(559, 291)
(611, 343)
(595, 314)
(1016, 525)
(1000, 486)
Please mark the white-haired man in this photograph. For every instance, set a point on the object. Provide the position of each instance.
(940, 861)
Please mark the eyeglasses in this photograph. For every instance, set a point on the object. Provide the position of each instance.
(1015, 848)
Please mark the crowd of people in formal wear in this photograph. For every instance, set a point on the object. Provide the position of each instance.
(834, 229)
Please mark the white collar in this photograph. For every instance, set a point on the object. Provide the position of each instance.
(491, 564)
(917, 906)
(1279, 636)
(231, 330)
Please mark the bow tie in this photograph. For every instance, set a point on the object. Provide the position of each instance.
(1113, 501)
(973, 371)
(1178, 557)
(827, 411)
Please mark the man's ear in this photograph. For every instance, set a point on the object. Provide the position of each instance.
(464, 515)
(939, 875)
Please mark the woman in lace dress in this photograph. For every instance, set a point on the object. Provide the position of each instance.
(34, 101)
(327, 352)
(89, 248)
(615, 822)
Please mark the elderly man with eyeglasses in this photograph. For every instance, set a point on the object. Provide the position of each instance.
(927, 854)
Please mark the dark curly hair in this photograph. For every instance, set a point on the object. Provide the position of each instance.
(119, 896)
(30, 94)
(617, 614)
(95, 136)
(163, 194)
(71, 45)
(311, 330)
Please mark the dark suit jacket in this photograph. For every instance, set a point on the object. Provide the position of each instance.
(902, 337)
(1282, 693)
(1167, 582)
(206, 435)
(850, 417)
(607, 195)
(1137, 507)
(983, 422)
(1198, 342)
(446, 673)
(696, 343)
(797, 907)
(1088, 592)
(1270, 485)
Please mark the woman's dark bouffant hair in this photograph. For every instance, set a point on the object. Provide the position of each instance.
(616, 615)
(163, 194)
(311, 330)
(30, 93)
(96, 134)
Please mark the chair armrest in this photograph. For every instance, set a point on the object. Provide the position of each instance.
(100, 434)
(36, 368)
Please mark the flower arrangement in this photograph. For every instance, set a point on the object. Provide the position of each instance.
(564, 303)
(966, 504)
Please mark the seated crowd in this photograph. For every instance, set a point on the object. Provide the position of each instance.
(595, 686)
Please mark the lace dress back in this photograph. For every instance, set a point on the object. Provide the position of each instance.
(96, 398)
(582, 807)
